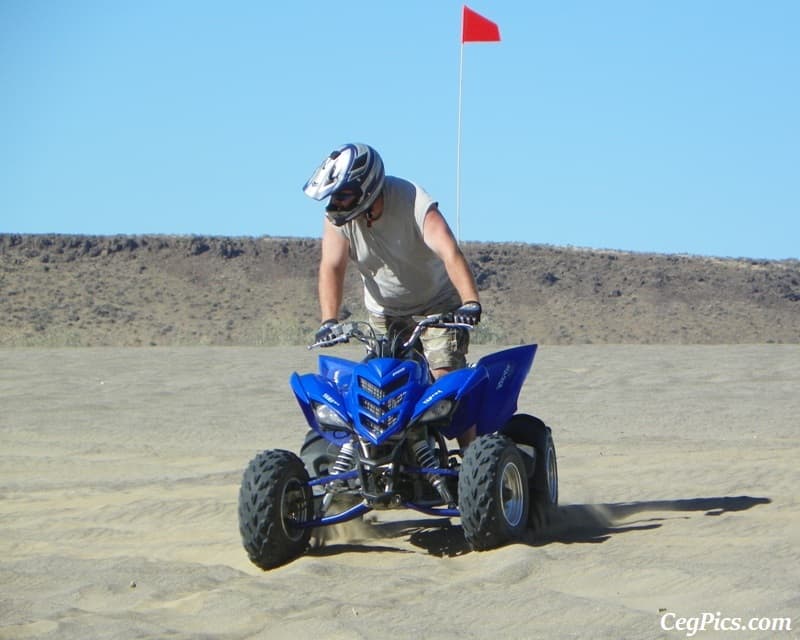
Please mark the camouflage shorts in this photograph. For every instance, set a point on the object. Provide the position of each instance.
(444, 348)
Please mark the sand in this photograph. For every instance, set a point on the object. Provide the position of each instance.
(120, 468)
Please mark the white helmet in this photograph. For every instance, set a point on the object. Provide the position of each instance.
(355, 168)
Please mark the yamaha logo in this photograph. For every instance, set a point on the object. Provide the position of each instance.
(504, 377)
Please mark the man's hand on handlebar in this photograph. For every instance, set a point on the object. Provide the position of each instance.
(326, 334)
(468, 313)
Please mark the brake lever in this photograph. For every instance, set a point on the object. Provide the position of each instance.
(344, 330)
(329, 343)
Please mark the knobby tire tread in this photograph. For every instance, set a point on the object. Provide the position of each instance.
(260, 503)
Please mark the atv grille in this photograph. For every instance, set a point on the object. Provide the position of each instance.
(379, 393)
(379, 405)
(378, 427)
(378, 410)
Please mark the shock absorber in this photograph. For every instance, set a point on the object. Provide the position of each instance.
(345, 461)
(422, 450)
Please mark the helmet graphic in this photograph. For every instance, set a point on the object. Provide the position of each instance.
(353, 169)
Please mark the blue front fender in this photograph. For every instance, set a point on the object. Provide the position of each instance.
(460, 386)
(314, 387)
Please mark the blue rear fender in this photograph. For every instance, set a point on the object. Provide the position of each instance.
(506, 372)
(313, 387)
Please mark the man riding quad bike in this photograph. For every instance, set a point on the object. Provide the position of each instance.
(378, 440)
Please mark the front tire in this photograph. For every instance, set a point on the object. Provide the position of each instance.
(274, 496)
(493, 491)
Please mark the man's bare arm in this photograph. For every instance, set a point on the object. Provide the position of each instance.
(439, 237)
(332, 269)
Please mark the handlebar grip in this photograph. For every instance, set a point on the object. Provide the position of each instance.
(341, 333)
(330, 343)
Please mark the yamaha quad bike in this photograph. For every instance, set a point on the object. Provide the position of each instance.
(378, 441)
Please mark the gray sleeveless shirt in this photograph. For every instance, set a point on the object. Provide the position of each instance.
(402, 276)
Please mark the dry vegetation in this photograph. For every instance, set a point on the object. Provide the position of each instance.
(60, 290)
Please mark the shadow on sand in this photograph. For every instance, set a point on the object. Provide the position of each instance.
(588, 523)
(571, 524)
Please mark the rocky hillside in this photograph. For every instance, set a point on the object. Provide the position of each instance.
(167, 290)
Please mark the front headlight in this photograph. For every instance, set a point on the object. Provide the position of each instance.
(440, 410)
(328, 417)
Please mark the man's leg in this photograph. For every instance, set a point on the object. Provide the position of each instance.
(446, 351)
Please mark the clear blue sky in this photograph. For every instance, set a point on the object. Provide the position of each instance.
(647, 126)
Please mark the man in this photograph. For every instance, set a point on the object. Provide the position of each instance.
(409, 261)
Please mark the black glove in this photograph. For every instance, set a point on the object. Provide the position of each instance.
(325, 332)
(468, 313)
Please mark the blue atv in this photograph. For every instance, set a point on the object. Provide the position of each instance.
(378, 440)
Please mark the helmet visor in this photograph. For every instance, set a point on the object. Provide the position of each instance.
(330, 177)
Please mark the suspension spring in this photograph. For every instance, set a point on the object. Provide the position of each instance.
(426, 458)
(346, 459)
(424, 454)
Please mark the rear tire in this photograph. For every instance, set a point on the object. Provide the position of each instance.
(544, 484)
(273, 497)
(493, 492)
(530, 430)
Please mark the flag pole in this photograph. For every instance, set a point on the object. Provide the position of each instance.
(474, 28)
(458, 141)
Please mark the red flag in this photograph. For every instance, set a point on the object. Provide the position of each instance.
(476, 28)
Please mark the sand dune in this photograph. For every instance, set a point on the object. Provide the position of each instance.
(119, 473)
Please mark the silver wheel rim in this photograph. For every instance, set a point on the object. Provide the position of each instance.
(552, 476)
(512, 494)
(293, 506)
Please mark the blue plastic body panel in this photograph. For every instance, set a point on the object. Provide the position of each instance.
(380, 397)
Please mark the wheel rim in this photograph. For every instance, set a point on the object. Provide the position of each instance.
(552, 476)
(512, 494)
(294, 506)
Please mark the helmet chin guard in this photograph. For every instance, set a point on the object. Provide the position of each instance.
(351, 167)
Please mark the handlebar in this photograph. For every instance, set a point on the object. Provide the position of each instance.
(364, 332)
(438, 320)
